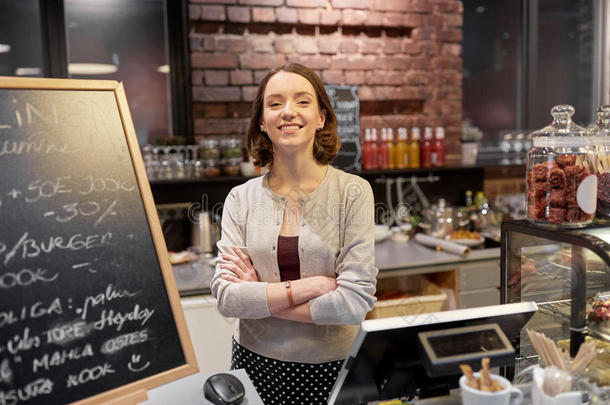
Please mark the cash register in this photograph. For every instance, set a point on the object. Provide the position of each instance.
(418, 355)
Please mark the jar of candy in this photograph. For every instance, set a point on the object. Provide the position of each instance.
(600, 133)
(231, 166)
(231, 148)
(561, 173)
(209, 149)
(211, 167)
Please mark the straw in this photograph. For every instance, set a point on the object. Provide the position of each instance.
(551, 355)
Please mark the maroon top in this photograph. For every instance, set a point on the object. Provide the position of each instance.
(288, 257)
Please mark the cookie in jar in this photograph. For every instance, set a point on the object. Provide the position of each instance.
(561, 173)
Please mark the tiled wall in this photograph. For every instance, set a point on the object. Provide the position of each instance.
(404, 55)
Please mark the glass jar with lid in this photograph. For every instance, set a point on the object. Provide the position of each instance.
(560, 173)
(211, 167)
(231, 148)
(231, 166)
(209, 149)
(600, 137)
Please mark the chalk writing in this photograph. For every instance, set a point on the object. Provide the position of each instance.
(46, 189)
(106, 184)
(134, 365)
(14, 193)
(30, 247)
(22, 342)
(49, 116)
(34, 389)
(25, 277)
(67, 332)
(122, 341)
(118, 319)
(36, 310)
(6, 374)
(86, 209)
(41, 147)
(111, 293)
(87, 265)
(344, 100)
(89, 374)
(60, 357)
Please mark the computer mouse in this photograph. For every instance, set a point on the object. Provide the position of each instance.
(223, 389)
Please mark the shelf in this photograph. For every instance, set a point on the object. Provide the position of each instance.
(559, 308)
(597, 333)
(587, 237)
(361, 173)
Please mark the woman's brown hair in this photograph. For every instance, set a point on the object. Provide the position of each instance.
(326, 143)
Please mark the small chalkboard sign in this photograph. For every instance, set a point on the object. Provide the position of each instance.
(89, 309)
(345, 103)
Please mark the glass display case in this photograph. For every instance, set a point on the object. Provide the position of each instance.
(567, 273)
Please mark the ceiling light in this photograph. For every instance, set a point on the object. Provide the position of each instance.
(91, 69)
(28, 71)
(163, 69)
(5, 48)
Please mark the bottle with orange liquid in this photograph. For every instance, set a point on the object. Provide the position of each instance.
(391, 149)
(414, 148)
(401, 151)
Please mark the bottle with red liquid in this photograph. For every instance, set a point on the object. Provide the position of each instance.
(366, 154)
(383, 152)
(369, 151)
(374, 150)
(438, 148)
(426, 148)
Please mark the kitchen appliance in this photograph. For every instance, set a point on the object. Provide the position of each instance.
(203, 232)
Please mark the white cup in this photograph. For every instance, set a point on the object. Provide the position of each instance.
(471, 396)
(469, 153)
(540, 398)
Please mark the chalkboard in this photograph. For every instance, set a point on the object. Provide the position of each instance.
(345, 103)
(89, 309)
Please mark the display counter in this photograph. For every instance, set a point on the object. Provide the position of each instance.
(392, 258)
(474, 281)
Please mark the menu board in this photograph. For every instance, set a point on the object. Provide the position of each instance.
(345, 103)
(89, 310)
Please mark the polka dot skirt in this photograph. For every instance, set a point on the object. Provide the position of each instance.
(280, 382)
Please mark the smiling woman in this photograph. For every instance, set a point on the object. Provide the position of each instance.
(291, 117)
(309, 276)
(279, 96)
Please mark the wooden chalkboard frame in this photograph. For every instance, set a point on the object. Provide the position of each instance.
(133, 392)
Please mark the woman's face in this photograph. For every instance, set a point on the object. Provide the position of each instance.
(290, 112)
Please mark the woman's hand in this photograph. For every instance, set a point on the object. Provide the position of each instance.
(325, 284)
(239, 264)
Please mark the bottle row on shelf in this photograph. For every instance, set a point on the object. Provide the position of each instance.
(404, 151)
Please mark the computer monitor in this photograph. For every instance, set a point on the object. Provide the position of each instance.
(387, 359)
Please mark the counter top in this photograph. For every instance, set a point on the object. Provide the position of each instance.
(390, 255)
(194, 278)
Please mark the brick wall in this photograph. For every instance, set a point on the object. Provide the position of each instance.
(404, 55)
